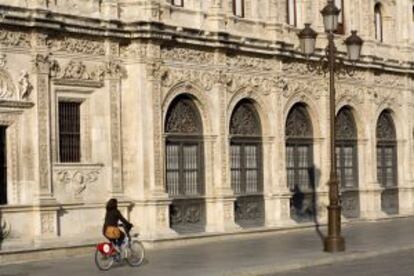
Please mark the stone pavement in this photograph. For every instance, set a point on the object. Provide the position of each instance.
(262, 254)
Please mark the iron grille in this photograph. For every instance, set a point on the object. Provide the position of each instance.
(299, 164)
(387, 162)
(3, 166)
(69, 132)
(183, 169)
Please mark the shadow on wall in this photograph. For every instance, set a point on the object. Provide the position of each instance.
(304, 201)
(316, 176)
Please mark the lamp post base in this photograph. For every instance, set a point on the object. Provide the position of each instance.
(334, 244)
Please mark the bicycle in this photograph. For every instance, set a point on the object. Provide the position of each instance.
(106, 253)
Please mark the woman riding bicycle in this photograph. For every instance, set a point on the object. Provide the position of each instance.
(110, 229)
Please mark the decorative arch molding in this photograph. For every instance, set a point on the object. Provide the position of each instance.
(359, 123)
(311, 107)
(245, 120)
(345, 124)
(202, 103)
(397, 118)
(262, 108)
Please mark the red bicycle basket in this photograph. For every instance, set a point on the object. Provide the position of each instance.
(105, 248)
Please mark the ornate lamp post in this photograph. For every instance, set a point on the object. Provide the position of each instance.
(331, 63)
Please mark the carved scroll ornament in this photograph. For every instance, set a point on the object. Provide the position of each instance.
(77, 178)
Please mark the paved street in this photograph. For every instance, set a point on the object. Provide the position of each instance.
(397, 264)
(263, 254)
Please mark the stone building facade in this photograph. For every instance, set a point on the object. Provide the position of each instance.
(200, 116)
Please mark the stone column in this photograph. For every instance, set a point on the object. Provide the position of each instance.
(370, 190)
(277, 194)
(220, 208)
(113, 82)
(45, 209)
(157, 205)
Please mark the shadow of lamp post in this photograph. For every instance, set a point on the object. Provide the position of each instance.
(331, 63)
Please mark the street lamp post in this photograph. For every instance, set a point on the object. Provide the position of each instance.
(333, 242)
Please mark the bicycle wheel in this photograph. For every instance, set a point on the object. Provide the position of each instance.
(103, 262)
(136, 254)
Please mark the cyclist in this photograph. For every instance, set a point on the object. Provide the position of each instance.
(110, 229)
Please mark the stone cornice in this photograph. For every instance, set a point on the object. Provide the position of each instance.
(52, 22)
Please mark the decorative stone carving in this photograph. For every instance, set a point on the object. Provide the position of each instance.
(298, 124)
(314, 89)
(249, 208)
(389, 80)
(251, 63)
(25, 87)
(350, 94)
(77, 70)
(345, 125)
(204, 78)
(45, 64)
(187, 55)
(133, 50)
(245, 121)
(47, 223)
(7, 88)
(186, 213)
(77, 46)
(296, 68)
(3, 60)
(161, 215)
(113, 69)
(155, 71)
(183, 117)
(5, 229)
(78, 178)
(14, 39)
(256, 83)
(385, 97)
(385, 127)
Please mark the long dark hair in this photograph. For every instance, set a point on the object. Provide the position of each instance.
(112, 204)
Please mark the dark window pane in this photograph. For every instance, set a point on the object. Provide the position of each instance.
(69, 131)
(3, 166)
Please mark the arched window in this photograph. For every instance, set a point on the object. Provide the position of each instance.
(238, 8)
(347, 161)
(341, 19)
(246, 164)
(178, 3)
(299, 163)
(387, 162)
(291, 12)
(378, 22)
(184, 165)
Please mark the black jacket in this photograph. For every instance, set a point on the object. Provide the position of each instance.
(112, 217)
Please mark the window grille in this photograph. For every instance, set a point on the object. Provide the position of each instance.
(69, 132)
(299, 163)
(387, 163)
(3, 166)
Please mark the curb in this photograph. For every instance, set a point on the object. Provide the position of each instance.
(300, 264)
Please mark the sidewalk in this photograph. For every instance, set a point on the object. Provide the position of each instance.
(250, 255)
